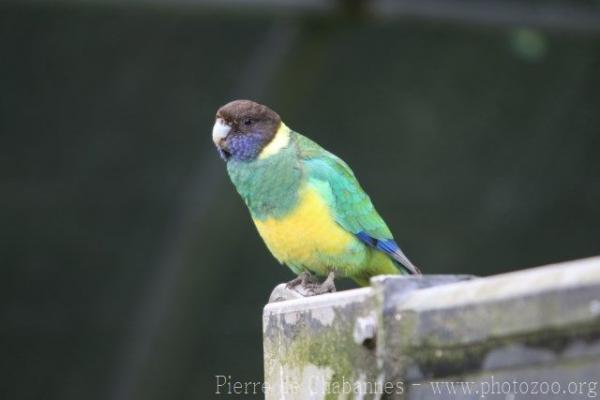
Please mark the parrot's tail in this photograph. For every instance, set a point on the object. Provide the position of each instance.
(383, 263)
(406, 264)
(391, 248)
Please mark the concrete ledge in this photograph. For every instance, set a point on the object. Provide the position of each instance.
(411, 331)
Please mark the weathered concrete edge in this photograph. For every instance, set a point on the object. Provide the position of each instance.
(463, 326)
(309, 348)
(529, 282)
(316, 302)
(471, 302)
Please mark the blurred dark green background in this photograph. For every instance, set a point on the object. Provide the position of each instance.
(130, 267)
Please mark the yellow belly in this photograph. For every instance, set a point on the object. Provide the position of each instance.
(307, 236)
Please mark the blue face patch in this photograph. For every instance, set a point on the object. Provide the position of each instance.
(245, 147)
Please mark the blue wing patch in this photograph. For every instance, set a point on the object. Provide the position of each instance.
(390, 247)
(366, 239)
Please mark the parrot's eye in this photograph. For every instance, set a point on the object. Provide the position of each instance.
(248, 121)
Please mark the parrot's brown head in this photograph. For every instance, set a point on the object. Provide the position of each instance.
(243, 129)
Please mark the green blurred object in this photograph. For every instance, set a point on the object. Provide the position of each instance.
(528, 44)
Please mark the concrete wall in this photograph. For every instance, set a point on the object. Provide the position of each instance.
(524, 334)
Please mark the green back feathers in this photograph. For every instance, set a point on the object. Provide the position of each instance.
(336, 181)
(351, 206)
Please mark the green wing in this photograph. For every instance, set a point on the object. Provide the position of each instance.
(352, 207)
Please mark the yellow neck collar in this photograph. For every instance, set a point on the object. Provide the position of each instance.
(279, 141)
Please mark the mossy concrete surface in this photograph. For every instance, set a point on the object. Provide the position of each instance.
(402, 336)
(318, 346)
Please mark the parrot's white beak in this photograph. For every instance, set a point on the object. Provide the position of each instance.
(220, 131)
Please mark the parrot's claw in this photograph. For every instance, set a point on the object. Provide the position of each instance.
(307, 284)
(328, 285)
(304, 279)
(315, 288)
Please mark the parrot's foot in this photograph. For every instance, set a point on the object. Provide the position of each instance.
(328, 286)
(307, 284)
(304, 279)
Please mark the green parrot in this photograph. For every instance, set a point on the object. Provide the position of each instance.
(305, 202)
